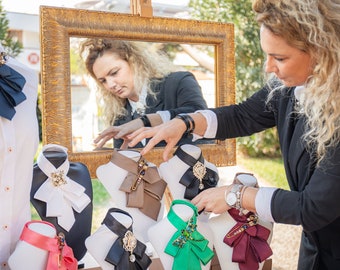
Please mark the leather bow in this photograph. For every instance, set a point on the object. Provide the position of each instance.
(198, 177)
(143, 185)
(60, 256)
(11, 85)
(188, 247)
(249, 241)
(60, 192)
(126, 252)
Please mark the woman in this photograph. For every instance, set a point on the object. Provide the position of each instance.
(302, 99)
(138, 83)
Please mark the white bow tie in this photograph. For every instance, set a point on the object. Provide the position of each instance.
(60, 192)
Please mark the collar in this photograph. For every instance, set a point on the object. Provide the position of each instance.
(140, 105)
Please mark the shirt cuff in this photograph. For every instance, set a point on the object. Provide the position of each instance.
(211, 130)
(165, 115)
(263, 203)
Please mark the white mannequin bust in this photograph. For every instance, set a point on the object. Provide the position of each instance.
(162, 232)
(220, 226)
(174, 168)
(29, 257)
(104, 238)
(112, 176)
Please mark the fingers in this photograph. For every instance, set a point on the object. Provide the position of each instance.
(211, 200)
(125, 144)
(140, 134)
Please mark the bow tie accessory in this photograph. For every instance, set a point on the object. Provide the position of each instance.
(248, 240)
(127, 252)
(188, 247)
(143, 185)
(60, 255)
(197, 177)
(61, 194)
(11, 85)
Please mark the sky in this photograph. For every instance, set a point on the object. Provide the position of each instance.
(32, 6)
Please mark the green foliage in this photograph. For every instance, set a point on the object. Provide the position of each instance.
(271, 170)
(76, 63)
(13, 47)
(249, 60)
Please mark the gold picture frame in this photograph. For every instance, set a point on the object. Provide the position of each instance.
(57, 25)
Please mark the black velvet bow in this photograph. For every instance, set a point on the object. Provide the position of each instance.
(190, 181)
(117, 255)
(11, 84)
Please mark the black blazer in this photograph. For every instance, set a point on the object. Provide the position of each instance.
(314, 199)
(179, 92)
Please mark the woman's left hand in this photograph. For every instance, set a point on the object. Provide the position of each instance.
(118, 132)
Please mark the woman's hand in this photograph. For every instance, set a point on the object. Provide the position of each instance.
(117, 132)
(212, 200)
(170, 132)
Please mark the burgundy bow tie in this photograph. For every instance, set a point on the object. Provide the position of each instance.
(248, 240)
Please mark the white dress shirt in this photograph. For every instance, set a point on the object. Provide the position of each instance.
(19, 140)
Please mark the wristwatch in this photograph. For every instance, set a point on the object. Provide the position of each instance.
(232, 198)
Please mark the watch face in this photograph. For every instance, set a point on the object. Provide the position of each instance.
(231, 199)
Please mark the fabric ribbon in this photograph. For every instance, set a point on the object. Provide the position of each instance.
(60, 192)
(198, 177)
(11, 85)
(249, 241)
(143, 185)
(60, 256)
(126, 252)
(188, 247)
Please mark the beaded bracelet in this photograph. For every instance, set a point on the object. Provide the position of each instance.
(145, 120)
(188, 121)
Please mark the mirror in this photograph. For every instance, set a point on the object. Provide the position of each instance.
(59, 27)
(86, 103)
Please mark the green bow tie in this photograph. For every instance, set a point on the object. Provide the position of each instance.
(187, 245)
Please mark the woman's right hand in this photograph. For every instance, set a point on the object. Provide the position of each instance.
(170, 132)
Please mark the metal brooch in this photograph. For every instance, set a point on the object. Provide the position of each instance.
(129, 244)
(199, 171)
(58, 178)
(3, 58)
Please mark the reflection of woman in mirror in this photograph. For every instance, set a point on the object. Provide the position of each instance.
(139, 87)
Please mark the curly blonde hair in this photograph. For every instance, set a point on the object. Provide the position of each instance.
(312, 26)
(147, 62)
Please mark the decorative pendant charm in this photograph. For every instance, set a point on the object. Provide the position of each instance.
(58, 178)
(3, 58)
(199, 171)
(132, 258)
(185, 234)
(129, 244)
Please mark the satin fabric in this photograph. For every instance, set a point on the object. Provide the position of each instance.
(190, 181)
(58, 259)
(11, 85)
(149, 191)
(249, 241)
(117, 255)
(194, 248)
(63, 199)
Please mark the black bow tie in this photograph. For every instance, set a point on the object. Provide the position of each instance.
(198, 177)
(119, 255)
(11, 84)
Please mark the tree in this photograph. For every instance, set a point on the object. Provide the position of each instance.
(249, 60)
(11, 44)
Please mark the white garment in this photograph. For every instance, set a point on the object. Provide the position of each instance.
(19, 140)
